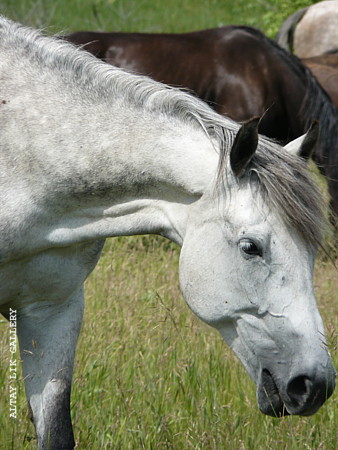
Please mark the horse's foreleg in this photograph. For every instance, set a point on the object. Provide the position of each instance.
(47, 337)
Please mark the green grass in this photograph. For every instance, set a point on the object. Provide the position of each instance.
(149, 374)
(150, 15)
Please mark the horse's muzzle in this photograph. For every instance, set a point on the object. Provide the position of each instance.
(303, 394)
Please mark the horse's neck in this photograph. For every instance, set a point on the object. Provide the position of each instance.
(140, 182)
(78, 166)
(129, 173)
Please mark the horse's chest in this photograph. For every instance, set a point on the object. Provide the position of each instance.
(50, 276)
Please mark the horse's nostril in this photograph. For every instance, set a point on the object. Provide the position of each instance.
(299, 388)
(305, 394)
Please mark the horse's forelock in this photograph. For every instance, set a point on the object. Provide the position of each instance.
(288, 187)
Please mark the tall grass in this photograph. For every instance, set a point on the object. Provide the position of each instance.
(148, 374)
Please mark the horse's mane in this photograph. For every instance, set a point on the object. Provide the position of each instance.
(282, 178)
(287, 183)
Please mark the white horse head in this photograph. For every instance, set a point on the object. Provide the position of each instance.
(249, 274)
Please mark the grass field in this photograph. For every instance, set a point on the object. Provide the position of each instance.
(148, 374)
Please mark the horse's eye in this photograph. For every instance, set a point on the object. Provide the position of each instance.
(250, 248)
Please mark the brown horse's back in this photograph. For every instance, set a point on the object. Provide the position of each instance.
(327, 77)
(327, 59)
(180, 60)
(232, 68)
(325, 69)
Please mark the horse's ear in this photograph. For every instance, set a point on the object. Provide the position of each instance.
(244, 146)
(306, 144)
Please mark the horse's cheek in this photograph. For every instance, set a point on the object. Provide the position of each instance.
(205, 275)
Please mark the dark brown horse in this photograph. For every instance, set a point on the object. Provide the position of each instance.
(239, 72)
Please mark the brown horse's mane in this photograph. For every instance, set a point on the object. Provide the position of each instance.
(316, 104)
(282, 178)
